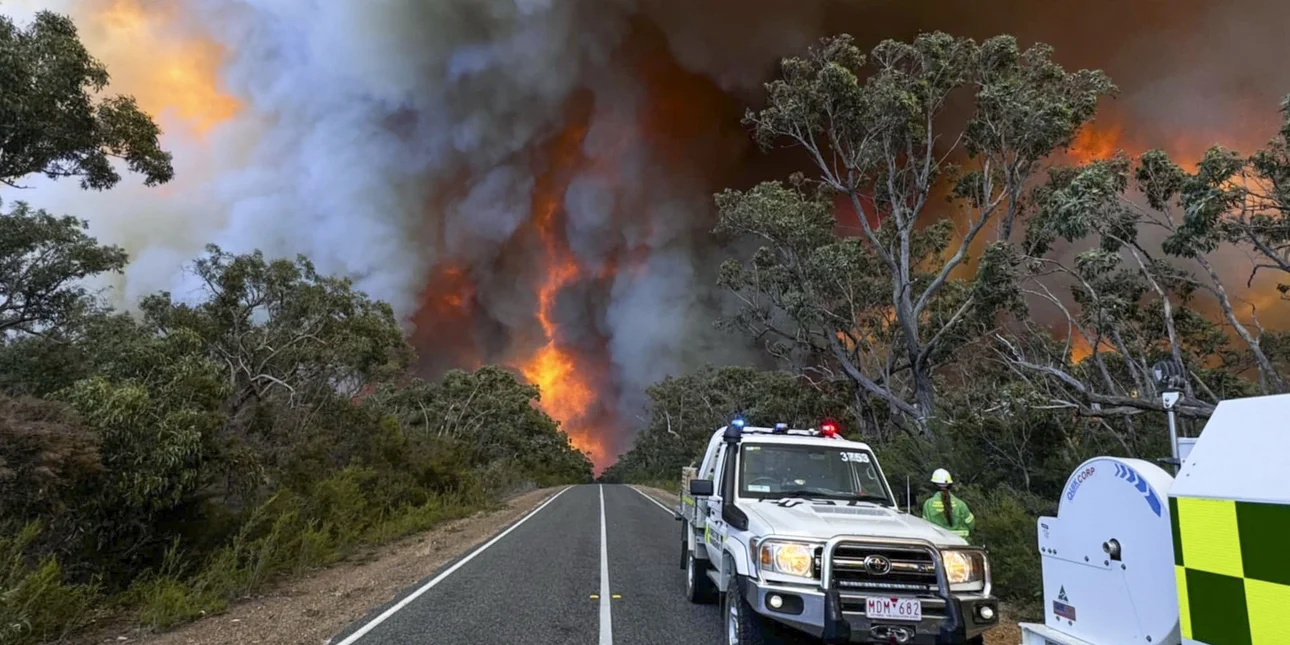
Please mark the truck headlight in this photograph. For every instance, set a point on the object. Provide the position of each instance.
(964, 570)
(789, 558)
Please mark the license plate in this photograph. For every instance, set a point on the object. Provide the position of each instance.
(893, 608)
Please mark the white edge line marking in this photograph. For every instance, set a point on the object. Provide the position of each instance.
(656, 502)
(606, 624)
(439, 578)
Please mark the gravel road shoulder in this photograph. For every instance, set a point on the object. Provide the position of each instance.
(1007, 633)
(310, 609)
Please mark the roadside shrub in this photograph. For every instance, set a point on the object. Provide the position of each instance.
(165, 602)
(1006, 524)
(49, 471)
(36, 605)
(670, 485)
(413, 520)
(287, 534)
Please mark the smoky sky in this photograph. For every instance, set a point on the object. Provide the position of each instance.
(403, 143)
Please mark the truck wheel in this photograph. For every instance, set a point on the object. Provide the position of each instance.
(699, 588)
(743, 625)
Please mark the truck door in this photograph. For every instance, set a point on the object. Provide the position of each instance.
(715, 530)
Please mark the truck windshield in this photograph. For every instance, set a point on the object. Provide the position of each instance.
(791, 470)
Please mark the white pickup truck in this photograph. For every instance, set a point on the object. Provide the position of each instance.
(798, 534)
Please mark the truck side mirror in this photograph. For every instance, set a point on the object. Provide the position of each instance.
(701, 487)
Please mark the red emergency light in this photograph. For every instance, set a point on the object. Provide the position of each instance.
(830, 429)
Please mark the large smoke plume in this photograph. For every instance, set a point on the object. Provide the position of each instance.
(451, 155)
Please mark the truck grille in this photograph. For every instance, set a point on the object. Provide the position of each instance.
(913, 569)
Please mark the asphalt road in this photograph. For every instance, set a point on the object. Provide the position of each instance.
(593, 565)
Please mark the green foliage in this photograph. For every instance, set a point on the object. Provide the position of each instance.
(263, 428)
(42, 260)
(264, 319)
(1006, 523)
(151, 427)
(889, 306)
(35, 603)
(1027, 105)
(1138, 298)
(289, 534)
(52, 123)
(165, 602)
(491, 413)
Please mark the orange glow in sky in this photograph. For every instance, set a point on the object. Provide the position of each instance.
(149, 57)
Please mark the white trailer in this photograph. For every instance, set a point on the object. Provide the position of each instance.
(1136, 556)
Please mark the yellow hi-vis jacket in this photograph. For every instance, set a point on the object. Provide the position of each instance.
(963, 519)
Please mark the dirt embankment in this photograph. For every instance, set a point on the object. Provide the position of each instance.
(309, 610)
(1007, 633)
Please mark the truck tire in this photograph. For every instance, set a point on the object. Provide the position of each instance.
(699, 588)
(743, 625)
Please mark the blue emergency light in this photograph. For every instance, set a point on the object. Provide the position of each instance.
(734, 431)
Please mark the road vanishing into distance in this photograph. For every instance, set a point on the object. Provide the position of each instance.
(593, 564)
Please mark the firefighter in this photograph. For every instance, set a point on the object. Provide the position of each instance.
(945, 510)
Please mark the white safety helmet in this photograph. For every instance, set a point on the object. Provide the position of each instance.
(942, 477)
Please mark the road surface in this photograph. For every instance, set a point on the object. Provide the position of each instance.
(593, 565)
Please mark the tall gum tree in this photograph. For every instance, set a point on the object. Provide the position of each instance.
(887, 305)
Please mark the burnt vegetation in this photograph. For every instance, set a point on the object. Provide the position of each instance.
(943, 279)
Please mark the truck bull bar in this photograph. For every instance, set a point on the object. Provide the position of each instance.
(837, 631)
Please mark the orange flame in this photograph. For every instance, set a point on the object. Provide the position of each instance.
(1095, 141)
(445, 319)
(566, 394)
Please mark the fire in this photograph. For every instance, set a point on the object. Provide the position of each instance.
(446, 319)
(1079, 348)
(566, 393)
(1095, 141)
(152, 58)
(455, 299)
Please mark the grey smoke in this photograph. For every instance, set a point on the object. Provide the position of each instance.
(380, 137)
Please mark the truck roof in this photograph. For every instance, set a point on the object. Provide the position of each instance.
(800, 439)
(794, 436)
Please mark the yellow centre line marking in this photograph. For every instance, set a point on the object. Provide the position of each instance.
(616, 597)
